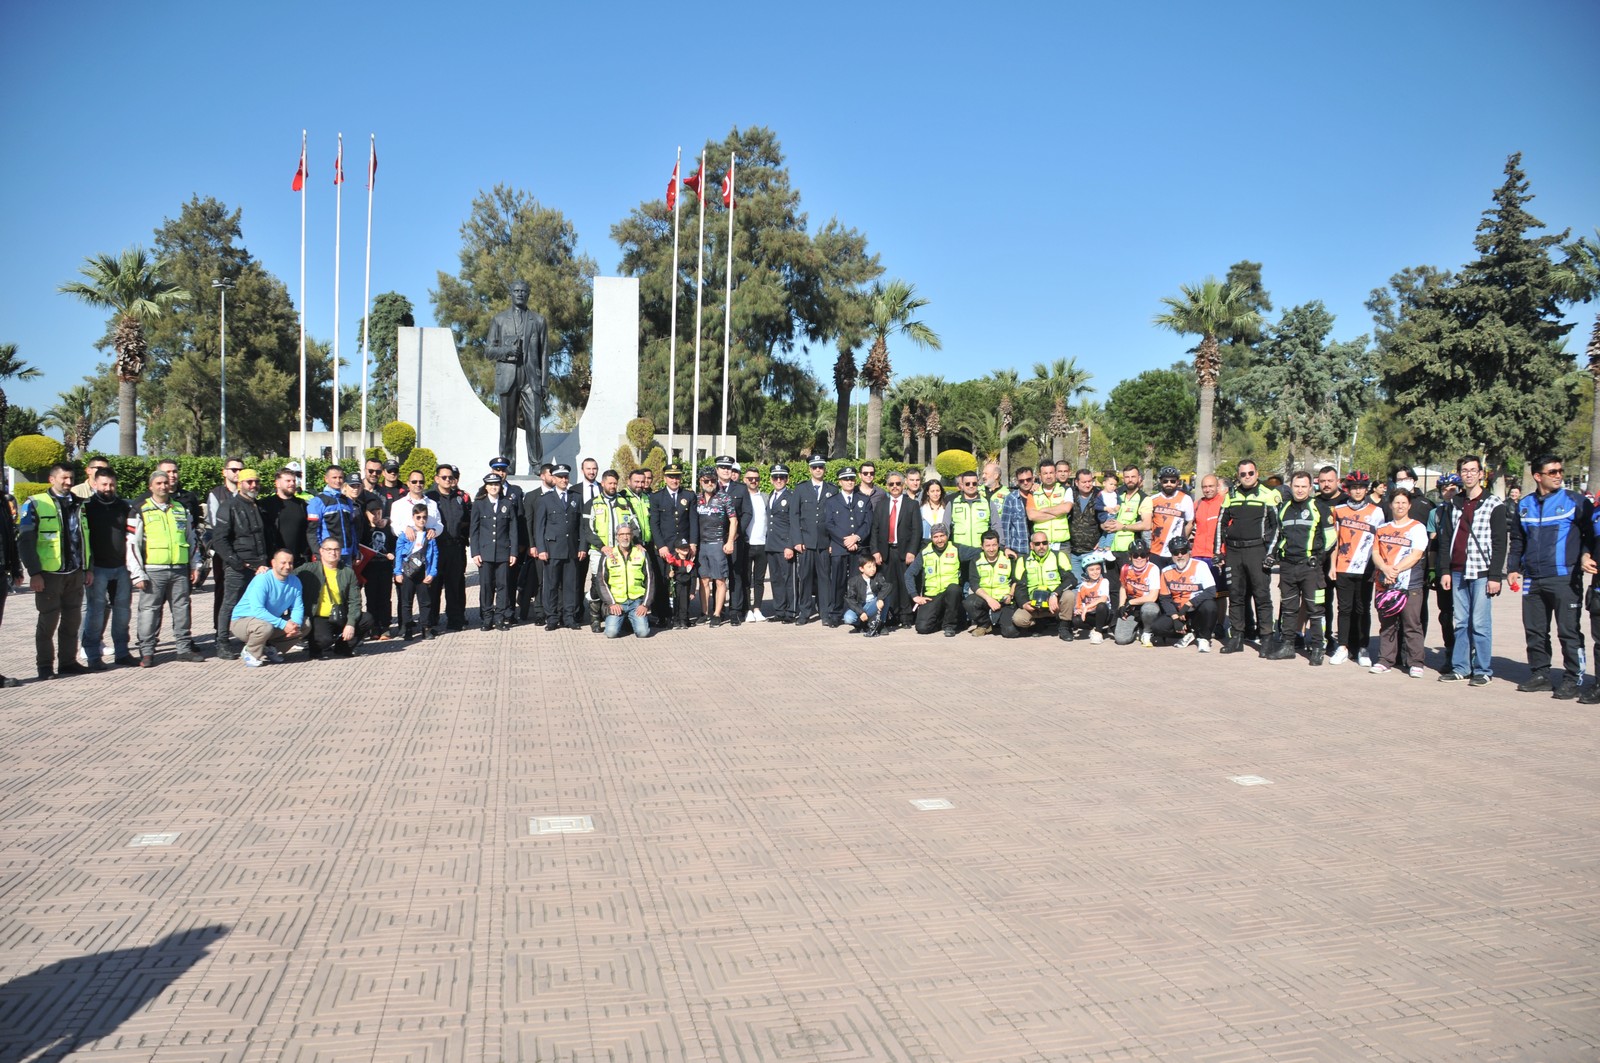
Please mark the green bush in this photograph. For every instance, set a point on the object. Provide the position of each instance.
(624, 461)
(33, 455)
(377, 454)
(398, 439)
(952, 463)
(1027, 457)
(24, 491)
(656, 462)
(641, 432)
(418, 459)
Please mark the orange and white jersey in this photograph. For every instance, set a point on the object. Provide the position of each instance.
(1170, 517)
(1396, 543)
(1138, 583)
(1357, 526)
(1182, 584)
(1091, 596)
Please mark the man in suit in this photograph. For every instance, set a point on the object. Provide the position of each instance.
(517, 345)
(559, 540)
(729, 483)
(848, 518)
(455, 514)
(896, 538)
(782, 524)
(812, 574)
(672, 517)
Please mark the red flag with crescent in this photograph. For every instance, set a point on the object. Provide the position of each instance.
(727, 188)
(372, 167)
(299, 182)
(693, 181)
(338, 165)
(672, 188)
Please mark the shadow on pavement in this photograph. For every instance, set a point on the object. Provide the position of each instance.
(52, 1012)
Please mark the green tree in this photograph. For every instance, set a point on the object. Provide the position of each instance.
(1207, 310)
(791, 289)
(889, 313)
(1240, 349)
(12, 368)
(132, 287)
(1007, 386)
(509, 235)
(1477, 364)
(79, 415)
(1579, 275)
(391, 312)
(21, 421)
(1152, 415)
(1058, 384)
(1310, 392)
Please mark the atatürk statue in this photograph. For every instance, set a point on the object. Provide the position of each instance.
(517, 345)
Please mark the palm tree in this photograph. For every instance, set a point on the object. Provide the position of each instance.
(990, 441)
(1059, 383)
(11, 368)
(1579, 278)
(1006, 382)
(844, 382)
(1087, 413)
(905, 432)
(934, 424)
(889, 312)
(130, 286)
(79, 415)
(1205, 310)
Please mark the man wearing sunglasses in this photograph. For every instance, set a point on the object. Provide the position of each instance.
(239, 539)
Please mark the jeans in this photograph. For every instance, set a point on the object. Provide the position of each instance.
(630, 614)
(116, 584)
(1469, 598)
(871, 611)
(168, 585)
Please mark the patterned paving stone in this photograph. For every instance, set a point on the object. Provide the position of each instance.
(354, 878)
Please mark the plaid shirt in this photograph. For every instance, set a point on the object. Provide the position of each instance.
(1014, 523)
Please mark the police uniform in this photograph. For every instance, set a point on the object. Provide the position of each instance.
(557, 533)
(844, 515)
(812, 573)
(495, 540)
(782, 528)
(673, 519)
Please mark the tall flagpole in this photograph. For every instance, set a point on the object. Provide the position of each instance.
(699, 293)
(672, 363)
(303, 183)
(727, 308)
(366, 295)
(338, 225)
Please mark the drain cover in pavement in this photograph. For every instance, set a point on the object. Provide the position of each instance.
(930, 804)
(1249, 780)
(560, 824)
(142, 840)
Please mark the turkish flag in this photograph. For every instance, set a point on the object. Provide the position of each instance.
(727, 188)
(693, 182)
(372, 167)
(672, 188)
(338, 166)
(299, 182)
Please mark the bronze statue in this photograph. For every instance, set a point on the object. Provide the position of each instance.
(517, 345)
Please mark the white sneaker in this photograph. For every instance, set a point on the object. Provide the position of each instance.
(753, 617)
(1203, 645)
(249, 659)
(1363, 660)
(1378, 669)
(1095, 638)
(1340, 656)
(1187, 640)
(1416, 671)
(1147, 641)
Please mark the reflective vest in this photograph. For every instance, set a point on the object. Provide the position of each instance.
(1127, 513)
(49, 520)
(625, 574)
(994, 577)
(1056, 529)
(1043, 574)
(968, 521)
(940, 571)
(166, 533)
(605, 514)
(639, 506)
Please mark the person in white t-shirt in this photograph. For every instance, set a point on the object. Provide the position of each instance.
(1397, 548)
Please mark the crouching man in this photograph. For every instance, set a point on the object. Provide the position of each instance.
(270, 615)
(624, 585)
(334, 620)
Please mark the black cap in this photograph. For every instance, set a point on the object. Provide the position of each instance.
(675, 469)
(494, 478)
(780, 470)
(391, 466)
(818, 461)
(500, 462)
(1139, 549)
(725, 462)
(561, 470)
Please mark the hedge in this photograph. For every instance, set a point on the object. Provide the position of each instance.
(422, 460)
(32, 455)
(398, 439)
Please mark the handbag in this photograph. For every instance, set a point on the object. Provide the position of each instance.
(416, 565)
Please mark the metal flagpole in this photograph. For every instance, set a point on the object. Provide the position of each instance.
(727, 308)
(303, 183)
(338, 224)
(699, 292)
(672, 356)
(366, 295)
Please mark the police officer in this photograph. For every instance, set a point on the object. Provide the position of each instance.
(812, 573)
(1301, 551)
(561, 550)
(495, 541)
(1043, 577)
(847, 517)
(673, 519)
(1248, 526)
(729, 483)
(991, 578)
(782, 528)
(516, 578)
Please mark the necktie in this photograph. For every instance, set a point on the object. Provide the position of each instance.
(894, 523)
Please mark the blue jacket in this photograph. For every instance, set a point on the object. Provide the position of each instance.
(404, 548)
(271, 599)
(1549, 534)
(331, 513)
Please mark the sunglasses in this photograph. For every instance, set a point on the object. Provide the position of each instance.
(250, 481)
(414, 483)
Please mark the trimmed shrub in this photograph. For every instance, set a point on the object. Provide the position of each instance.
(33, 455)
(377, 454)
(24, 491)
(641, 432)
(398, 439)
(657, 464)
(624, 462)
(952, 463)
(418, 459)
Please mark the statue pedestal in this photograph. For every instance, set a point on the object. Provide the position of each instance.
(435, 398)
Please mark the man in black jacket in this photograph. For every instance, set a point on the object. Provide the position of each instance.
(496, 543)
(11, 564)
(455, 513)
(896, 540)
(111, 587)
(283, 515)
(781, 529)
(239, 539)
(813, 573)
(729, 483)
(560, 544)
(673, 517)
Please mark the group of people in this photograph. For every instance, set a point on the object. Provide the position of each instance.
(1055, 551)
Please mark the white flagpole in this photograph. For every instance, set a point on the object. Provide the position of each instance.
(338, 224)
(304, 181)
(366, 296)
(672, 356)
(727, 308)
(699, 293)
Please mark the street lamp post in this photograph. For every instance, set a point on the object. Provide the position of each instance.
(223, 287)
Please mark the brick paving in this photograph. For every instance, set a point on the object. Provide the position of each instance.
(355, 878)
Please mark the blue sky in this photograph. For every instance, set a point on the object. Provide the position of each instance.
(1042, 173)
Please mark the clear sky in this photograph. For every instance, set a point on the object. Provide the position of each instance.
(1043, 173)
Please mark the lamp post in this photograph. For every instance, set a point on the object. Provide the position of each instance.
(223, 287)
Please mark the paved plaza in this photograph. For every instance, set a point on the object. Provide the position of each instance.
(709, 846)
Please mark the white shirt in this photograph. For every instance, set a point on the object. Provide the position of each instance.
(758, 523)
(400, 514)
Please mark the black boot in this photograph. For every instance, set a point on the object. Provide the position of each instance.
(1233, 645)
(596, 615)
(1278, 648)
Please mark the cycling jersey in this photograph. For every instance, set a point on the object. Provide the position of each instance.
(1357, 524)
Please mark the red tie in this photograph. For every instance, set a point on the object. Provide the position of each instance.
(894, 523)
